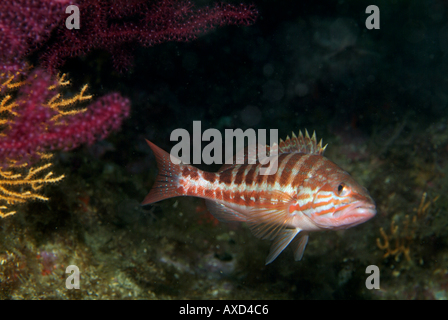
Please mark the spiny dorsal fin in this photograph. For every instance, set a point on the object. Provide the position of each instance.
(300, 144)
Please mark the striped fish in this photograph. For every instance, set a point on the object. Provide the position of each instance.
(307, 193)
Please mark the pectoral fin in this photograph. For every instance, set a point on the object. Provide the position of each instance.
(282, 239)
(269, 218)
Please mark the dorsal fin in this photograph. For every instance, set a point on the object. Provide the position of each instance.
(300, 144)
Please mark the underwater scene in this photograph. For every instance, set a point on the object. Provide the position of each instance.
(119, 180)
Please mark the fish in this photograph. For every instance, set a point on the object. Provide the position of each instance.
(307, 193)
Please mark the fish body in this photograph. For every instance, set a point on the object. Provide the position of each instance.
(307, 193)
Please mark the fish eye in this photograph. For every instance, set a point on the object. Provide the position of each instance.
(343, 189)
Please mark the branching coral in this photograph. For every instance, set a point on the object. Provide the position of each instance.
(400, 238)
(22, 187)
(35, 120)
(21, 181)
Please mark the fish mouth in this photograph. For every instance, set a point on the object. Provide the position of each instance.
(355, 213)
(365, 208)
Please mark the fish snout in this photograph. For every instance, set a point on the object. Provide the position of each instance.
(366, 208)
(356, 213)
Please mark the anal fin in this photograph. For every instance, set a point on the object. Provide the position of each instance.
(222, 212)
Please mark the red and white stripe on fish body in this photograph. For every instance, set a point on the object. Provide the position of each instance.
(307, 193)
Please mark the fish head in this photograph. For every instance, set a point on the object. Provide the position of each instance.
(340, 203)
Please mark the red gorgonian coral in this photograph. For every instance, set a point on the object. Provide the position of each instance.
(105, 24)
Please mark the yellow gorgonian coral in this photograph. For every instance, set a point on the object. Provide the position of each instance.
(18, 185)
(22, 181)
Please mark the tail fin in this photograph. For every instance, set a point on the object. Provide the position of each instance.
(167, 181)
